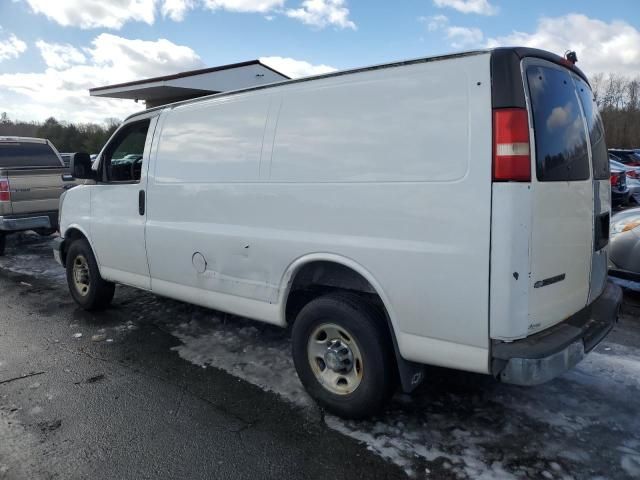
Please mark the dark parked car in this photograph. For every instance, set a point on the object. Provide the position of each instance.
(633, 178)
(619, 189)
(627, 156)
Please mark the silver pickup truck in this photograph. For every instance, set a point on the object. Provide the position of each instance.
(32, 178)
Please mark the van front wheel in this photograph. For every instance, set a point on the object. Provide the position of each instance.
(86, 285)
(343, 355)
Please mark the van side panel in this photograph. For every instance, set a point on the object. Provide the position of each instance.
(389, 169)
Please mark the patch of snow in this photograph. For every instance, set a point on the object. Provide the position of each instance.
(77, 335)
(37, 410)
(29, 254)
(463, 432)
(243, 352)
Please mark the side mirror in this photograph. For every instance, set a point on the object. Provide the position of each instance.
(80, 166)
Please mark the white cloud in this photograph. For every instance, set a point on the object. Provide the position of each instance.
(260, 6)
(132, 59)
(435, 22)
(59, 56)
(62, 90)
(176, 9)
(12, 47)
(114, 14)
(459, 37)
(463, 37)
(481, 7)
(296, 68)
(322, 13)
(601, 46)
(95, 13)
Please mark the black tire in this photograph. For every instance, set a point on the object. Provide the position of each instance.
(98, 292)
(368, 329)
(3, 243)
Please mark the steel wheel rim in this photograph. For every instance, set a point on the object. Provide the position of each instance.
(335, 358)
(81, 275)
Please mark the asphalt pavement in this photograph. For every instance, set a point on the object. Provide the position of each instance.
(131, 409)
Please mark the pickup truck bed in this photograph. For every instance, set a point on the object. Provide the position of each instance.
(32, 178)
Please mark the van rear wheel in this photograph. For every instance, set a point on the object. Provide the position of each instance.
(87, 287)
(343, 355)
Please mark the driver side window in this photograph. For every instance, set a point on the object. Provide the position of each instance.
(122, 160)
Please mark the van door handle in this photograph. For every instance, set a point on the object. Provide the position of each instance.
(141, 202)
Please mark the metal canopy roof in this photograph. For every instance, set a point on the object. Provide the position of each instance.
(193, 83)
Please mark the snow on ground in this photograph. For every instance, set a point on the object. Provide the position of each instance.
(464, 425)
(30, 254)
(585, 424)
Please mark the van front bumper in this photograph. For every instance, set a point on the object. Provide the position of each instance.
(17, 223)
(548, 354)
(58, 249)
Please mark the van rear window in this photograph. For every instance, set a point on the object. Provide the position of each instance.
(561, 143)
(27, 154)
(599, 154)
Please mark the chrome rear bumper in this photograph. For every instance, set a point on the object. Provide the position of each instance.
(15, 224)
(548, 354)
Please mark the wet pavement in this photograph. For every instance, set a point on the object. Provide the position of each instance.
(155, 388)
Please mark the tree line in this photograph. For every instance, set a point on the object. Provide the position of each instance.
(66, 136)
(617, 96)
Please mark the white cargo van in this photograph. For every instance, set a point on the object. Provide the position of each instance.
(447, 211)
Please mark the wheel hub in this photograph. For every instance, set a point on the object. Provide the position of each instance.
(335, 358)
(338, 357)
(81, 277)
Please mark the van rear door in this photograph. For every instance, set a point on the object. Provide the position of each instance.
(563, 197)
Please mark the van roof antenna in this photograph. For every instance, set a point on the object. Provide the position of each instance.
(571, 56)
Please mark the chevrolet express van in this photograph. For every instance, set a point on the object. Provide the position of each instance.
(448, 211)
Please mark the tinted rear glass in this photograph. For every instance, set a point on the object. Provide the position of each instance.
(27, 155)
(599, 152)
(561, 143)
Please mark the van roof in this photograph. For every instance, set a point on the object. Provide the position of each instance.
(23, 139)
(520, 52)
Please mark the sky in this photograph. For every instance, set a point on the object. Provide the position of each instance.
(53, 51)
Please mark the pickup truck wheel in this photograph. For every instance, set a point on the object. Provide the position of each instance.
(343, 355)
(3, 243)
(86, 285)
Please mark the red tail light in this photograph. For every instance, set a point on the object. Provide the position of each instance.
(615, 179)
(511, 156)
(5, 193)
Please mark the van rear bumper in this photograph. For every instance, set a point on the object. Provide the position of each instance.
(548, 354)
(17, 223)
